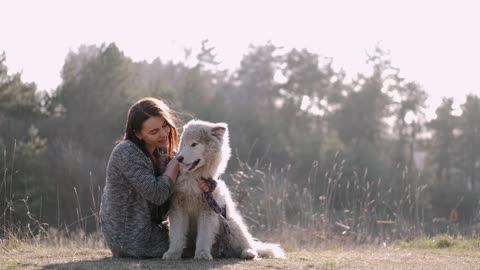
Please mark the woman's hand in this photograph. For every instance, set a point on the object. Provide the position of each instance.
(172, 169)
(207, 185)
(203, 185)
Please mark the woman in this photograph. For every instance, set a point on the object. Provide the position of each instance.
(140, 174)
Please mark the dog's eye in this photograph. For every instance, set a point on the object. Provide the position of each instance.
(194, 144)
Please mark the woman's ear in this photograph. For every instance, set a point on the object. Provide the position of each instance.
(138, 135)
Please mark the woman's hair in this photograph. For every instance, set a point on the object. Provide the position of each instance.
(144, 109)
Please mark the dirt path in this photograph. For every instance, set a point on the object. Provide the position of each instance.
(31, 257)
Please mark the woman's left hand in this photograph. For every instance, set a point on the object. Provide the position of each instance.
(203, 185)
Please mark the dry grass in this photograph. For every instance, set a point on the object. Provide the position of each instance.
(263, 197)
(29, 256)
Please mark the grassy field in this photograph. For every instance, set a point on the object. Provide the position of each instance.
(422, 254)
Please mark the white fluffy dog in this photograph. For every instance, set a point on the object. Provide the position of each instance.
(204, 153)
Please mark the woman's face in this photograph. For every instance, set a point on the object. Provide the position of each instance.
(154, 133)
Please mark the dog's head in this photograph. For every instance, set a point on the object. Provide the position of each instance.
(204, 145)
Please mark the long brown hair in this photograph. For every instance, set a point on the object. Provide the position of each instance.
(144, 109)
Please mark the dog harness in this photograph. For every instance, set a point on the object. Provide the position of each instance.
(221, 211)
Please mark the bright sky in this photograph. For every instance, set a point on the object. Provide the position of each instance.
(432, 42)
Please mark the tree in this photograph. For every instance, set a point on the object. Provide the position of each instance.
(443, 140)
(18, 106)
(96, 92)
(305, 101)
(469, 140)
(360, 120)
(20, 145)
(98, 86)
(251, 107)
(408, 109)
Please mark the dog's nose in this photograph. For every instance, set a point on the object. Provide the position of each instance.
(180, 159)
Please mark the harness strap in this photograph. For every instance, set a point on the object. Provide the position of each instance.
(221, 211)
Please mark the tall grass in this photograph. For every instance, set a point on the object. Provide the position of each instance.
(330, 207)
(19, 224)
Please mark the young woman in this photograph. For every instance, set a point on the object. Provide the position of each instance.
(140, 174)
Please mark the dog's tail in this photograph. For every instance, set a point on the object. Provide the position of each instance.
(269, 250)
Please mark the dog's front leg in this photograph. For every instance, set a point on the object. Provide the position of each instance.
(208, 225)
(177, 235)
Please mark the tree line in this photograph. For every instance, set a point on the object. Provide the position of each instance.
(363, 143)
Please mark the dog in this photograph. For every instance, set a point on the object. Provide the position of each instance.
(204, 153)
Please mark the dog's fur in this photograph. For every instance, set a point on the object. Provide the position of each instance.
(207, 145)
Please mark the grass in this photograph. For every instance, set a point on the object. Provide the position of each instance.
(412, 256)
(442, 241)
(318, 237)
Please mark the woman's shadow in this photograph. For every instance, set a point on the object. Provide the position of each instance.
(111, 263)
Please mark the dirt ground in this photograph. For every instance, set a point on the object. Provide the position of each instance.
(35, 257)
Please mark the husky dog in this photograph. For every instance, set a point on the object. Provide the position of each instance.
(204, 153)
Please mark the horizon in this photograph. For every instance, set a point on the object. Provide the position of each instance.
(432, 45)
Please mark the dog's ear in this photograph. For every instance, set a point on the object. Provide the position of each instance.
(218, 131)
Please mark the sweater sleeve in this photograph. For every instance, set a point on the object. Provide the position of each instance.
(157, 190)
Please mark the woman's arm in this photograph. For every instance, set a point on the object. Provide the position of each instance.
(172, 170)
(154, 189)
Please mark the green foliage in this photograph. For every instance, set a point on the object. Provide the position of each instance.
(309, 146)
(469, 141)
(18, 106)
(442, 241)
(97, 83)
(20, 144)
(443, 140)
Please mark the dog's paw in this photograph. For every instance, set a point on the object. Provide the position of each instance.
(172, 255)
(248, 254)
(203, 255)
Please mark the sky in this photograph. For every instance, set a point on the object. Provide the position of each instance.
(435, 43)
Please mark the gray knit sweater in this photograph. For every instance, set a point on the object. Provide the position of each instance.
(130, 200)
